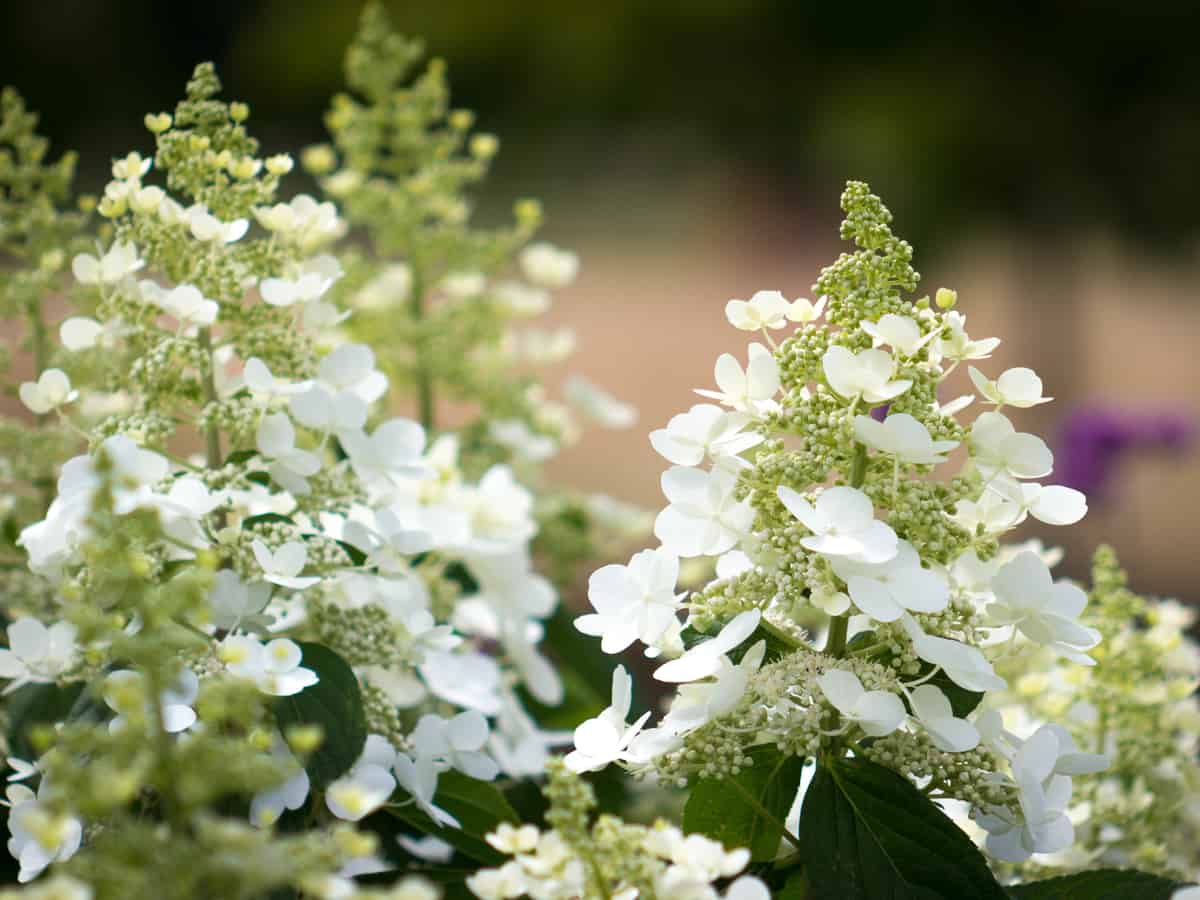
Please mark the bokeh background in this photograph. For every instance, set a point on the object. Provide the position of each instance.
(1042, 157)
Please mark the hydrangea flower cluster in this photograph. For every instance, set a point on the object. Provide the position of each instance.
(1139, 708)
(250, 559)
(807, 483)
(459, 301)
(581, 858)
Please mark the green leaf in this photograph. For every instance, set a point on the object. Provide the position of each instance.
(335, 704)
(747, 810)
(264, 519)
(1100, 884)
(867, 833)
(796, 888)
(37, 704)
(479, 808)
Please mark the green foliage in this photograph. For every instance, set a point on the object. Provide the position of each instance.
(866, 833)
(477, 805)
(334, 705)
(1099, 884)
(748, 809)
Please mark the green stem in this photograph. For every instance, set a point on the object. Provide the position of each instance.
(41, 357)
(212, 434)
(835, 646)
(416, 312)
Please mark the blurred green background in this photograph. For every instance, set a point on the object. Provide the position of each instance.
(1042, 157)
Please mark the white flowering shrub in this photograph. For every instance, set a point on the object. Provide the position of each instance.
(265, 638)
(246, 607)
(863, 628)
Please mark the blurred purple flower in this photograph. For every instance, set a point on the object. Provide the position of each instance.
(1094, 440)
(879, 413)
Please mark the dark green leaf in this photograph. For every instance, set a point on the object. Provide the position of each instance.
(867, 833)
(1101, 884)
(796, 888)
(357, 557)
(240, 457)
(333, 703)
(265, 518)
(477, 805)
(747, 810)
(37, 704)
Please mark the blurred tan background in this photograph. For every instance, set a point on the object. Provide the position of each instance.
(1041, 157)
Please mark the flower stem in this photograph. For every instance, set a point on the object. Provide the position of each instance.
(416, 312)
(212, 434)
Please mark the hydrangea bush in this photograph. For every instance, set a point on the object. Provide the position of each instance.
(266, 638)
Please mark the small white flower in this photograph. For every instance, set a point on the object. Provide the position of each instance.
(902, 436)
(127, 686)
(885, 590)
(368, 784)
(266, 387)
(900, 332)
(842, 523)
(283, 567)
(187, 304)
(1015, 387)
(867, 374)
(633, 602)
(1043, 610)
(511, 839)
(965, 665)
(121, 260)
(606, 738)
(766, 309)
(456, 743)
(992, 512)
(704, 430)
(207, 227)
(997, 446)
(283, 292)
(1054, 504)
(233, 602)
(319, 409)
(392, 452)
(38, 837)
(419, 777)
(80, 333)
(48, 393)
(699, 702)
(802, 310)
(878, 713)
(957, 346)
(518, 299)
(289, 466)
(351, 367)
(932, 709)
(704, 517)
(275, 668)
(36, 653)
(266, 807)
(548, 266)
(704, 659)
(750, 390)
(130, 167)
(598, 405)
